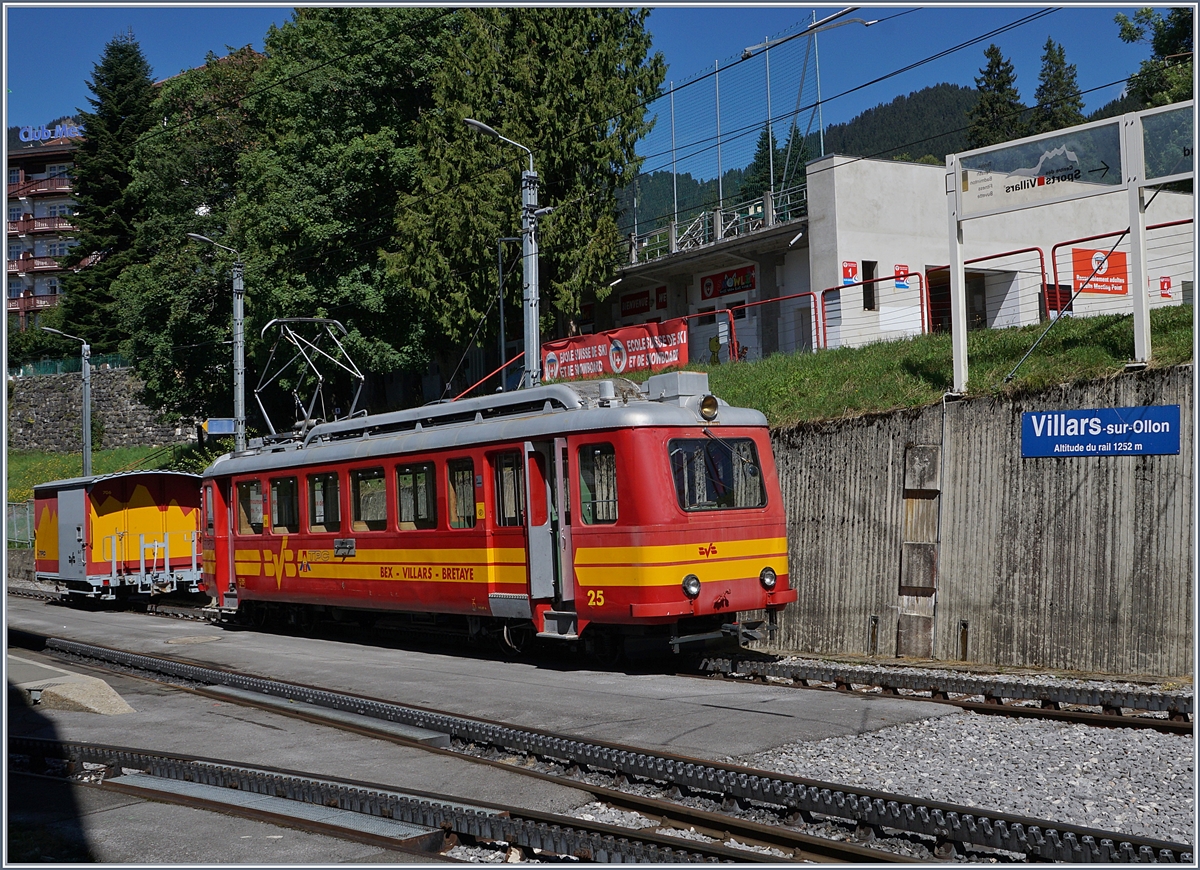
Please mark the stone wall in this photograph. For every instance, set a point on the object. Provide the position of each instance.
(45, 412)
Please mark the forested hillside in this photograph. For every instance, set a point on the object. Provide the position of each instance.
(929, 122)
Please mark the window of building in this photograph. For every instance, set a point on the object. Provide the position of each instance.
(58, 170)
(45, 286)
(14, 212)
(510, 490)
(14, 250)
(598, 483)
(60, 209)
(285, 505)
(461, 494)
(14, 176)
(58, 249)
(250, 507)
(716, 473)
(416, 492)
(368, 500)
(324, 506)
(868, 276)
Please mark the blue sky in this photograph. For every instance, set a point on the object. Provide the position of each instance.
(46, 77)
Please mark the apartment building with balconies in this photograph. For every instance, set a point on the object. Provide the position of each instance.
(40, 209)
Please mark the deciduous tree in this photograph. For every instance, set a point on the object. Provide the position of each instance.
(1167, 76)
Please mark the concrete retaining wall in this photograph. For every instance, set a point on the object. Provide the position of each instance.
(45, 412)
(926, 534)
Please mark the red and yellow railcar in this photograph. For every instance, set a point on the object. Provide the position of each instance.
(598, 512)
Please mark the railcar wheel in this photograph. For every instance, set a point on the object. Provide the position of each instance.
(607, 649)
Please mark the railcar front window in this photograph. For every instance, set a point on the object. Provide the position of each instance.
(368, 499)
(461, 496)
(250, 507)
(418, 500)
(598, 483)
(208, 510)
(285, 505)
(324, 507)
(716, 473)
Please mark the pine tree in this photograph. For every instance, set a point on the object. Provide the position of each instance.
(1059, 104)
(757, 177)
(997, 115)
(106, 215)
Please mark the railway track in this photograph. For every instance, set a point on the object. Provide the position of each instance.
(368, 812)
(945, 830)
(997, 696)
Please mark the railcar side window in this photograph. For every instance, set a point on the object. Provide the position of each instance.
(250, 507)
(598, 483)
(716, 473)
(285, 505)
(461, 496)
(324, 506)
(368, 500)
(208, 510)
(510, 490)
(418, 497)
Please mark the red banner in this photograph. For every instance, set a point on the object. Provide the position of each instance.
(633, 304)
(646, 347)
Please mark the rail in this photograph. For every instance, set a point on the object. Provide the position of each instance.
(816, 331)
(922, 298)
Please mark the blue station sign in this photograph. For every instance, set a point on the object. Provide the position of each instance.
(1141, 431)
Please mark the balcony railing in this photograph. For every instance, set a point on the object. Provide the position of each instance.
(40, 225)
(32, 185)
(710, 227)
(33, 264)
(25, 304)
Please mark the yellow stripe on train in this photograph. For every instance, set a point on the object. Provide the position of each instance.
(676, 554)
(672, 575)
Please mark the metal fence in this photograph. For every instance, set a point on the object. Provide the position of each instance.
(66, 366)
(18, 523)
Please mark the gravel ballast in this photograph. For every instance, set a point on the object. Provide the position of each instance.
(1137, 782)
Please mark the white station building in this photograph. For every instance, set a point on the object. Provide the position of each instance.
(859, 254)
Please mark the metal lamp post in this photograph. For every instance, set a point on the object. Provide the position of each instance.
(87, 399)
(529, 249)
(239, 345)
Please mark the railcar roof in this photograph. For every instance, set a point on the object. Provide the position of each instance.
(79, 482)
(533, 414)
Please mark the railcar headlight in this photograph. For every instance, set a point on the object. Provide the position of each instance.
(767, 578)
(708, 407)
(691, 585)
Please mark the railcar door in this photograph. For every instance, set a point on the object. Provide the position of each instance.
(548, 523)
(72, 528)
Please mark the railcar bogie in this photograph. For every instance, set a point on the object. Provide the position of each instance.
(597, 514)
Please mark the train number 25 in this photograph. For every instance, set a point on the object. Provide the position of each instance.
(595, 598)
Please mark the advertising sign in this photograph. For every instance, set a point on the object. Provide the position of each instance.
(1164, 287)
(645, 347)
(849, 271)
(901, 276)
(633, 304)
(1140, 431)
(1082, 161)
(724, 283)
(660, 297)
(1098, 271)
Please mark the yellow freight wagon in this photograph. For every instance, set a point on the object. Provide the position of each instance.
(116, 535)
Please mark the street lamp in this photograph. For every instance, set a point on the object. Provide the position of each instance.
(500, 266)
(239, 345)
(529, 250)
(87, 399)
